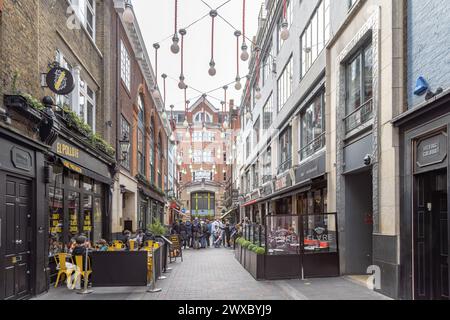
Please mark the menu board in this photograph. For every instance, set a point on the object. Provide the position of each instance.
(55, 223)
(87, 225)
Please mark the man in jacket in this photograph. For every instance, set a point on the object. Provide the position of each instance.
(189, 234)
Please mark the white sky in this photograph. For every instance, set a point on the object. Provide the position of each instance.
(156, 21)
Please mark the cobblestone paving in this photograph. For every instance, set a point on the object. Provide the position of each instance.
(211, 274)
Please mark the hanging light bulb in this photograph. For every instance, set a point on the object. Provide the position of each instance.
(204, 129)
(222, 135)
(188, 135)
(172, 137)
(128, 15)
(175, 47)
(244, 54)
(258, 93)
(248, 115)
(185, 123)
(156, 94)
(238, 85)
(212, 68)
(225, 124)
(285, 30)
(164, 115)
(181, 84)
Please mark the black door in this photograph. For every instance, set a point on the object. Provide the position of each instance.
(431, 274)
(15, 253)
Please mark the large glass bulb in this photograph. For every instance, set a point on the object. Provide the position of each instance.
(128, 15)
(285, 31)
(164, 115)
(225, 124)
(181, 85)
(238, 85)
(175, 48)
(244, 54)
(212, 70)
(185, 123)
(156, 94)
(258, 94)
(188, 135)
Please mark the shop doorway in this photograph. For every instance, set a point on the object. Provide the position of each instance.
(430, 237)
(16, 238)
(358, 223)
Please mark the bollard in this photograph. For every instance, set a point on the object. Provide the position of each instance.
(153, 288)
(161, 277)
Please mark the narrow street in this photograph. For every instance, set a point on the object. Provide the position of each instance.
(214, 274)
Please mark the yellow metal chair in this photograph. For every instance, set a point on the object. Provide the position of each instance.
(62, 269)
(149, 268)
(149, 244)
(117, 244)
(80, 272)
(132, 245)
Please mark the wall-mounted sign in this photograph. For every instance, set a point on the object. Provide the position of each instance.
(283, 182)
(67, 150)
(431, 151)
(21, 159)
(60, 81)
(311, 169)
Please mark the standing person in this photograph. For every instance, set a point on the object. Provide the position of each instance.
(222, 228)
(227, 229)
(204, 235)
(175, 228)
(209, 232)
(183, 234)
(140, 238)
(217, 236)
(189, 234)
(195, 233)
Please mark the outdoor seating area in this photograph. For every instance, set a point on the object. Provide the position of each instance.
(102, 264)
(290, 246)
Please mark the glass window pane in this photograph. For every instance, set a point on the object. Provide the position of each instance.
(319, 233)
(56, 220)
(87, 215)
(74, 213)
(74, 179)
(98, 220)
(282, 235)
(354, 85)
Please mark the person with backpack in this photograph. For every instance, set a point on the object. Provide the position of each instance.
(203, 234)
(189, 234)
(196, 228)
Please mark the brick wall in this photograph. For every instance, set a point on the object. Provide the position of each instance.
(428, 45)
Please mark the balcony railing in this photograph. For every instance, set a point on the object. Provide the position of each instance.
(285, 166)
(312, 147)
(267, 178)
(360, 116)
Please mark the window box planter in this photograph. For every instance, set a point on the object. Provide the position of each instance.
(21, 105)
(252, 262)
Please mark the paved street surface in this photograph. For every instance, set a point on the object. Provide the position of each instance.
(212, 274)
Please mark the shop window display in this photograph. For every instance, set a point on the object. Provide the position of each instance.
(56, 213)
(319, 233)
(282, 235)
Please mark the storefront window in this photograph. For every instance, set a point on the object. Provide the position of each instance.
(319, 233)
(98, 221)
(312, 202)
(73, 180)
(87, 184)
(73, 200)
(87, 215)
(282, 235)
(56, 212)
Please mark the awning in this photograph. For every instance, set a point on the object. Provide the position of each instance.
(179, 212)
(228, 213)
(250, 203)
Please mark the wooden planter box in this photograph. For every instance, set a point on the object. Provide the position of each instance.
(252, 262)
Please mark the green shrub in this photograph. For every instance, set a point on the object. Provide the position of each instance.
(260, 250)
(246, 243)
(251, 246)
(157, 229)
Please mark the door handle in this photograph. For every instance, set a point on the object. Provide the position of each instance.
(19, 241)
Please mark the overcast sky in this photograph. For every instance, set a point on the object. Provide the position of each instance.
(156, 21)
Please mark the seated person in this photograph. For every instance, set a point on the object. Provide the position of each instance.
(102, 245)
(80, 250)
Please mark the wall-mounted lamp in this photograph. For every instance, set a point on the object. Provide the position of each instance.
(124, 147)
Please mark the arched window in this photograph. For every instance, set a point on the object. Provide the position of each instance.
(141, 137)
(152, 150)
(201, 117)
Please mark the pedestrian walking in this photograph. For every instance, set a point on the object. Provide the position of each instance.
(209, 233)
(217, 236)
(188, 234)
(203, 234)
(196, 228)
(227, 232)
(183, 234)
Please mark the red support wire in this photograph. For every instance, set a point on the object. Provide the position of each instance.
(176, 16)
(156, 67)
(182, 54)
(284, 8)
(243, 20)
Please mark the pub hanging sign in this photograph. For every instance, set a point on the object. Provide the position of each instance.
(60, 81)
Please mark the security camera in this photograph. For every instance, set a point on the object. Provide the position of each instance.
(368, 160)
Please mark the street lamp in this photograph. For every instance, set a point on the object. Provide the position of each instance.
(125, 147)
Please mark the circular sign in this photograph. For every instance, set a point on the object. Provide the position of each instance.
(183, 210)
(60, 81)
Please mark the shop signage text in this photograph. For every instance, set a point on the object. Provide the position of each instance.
(431, 151)
(311, 169)
(283, 182)
(68, 151)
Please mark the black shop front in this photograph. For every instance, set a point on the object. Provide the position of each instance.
(79, 195)
(425, 183)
